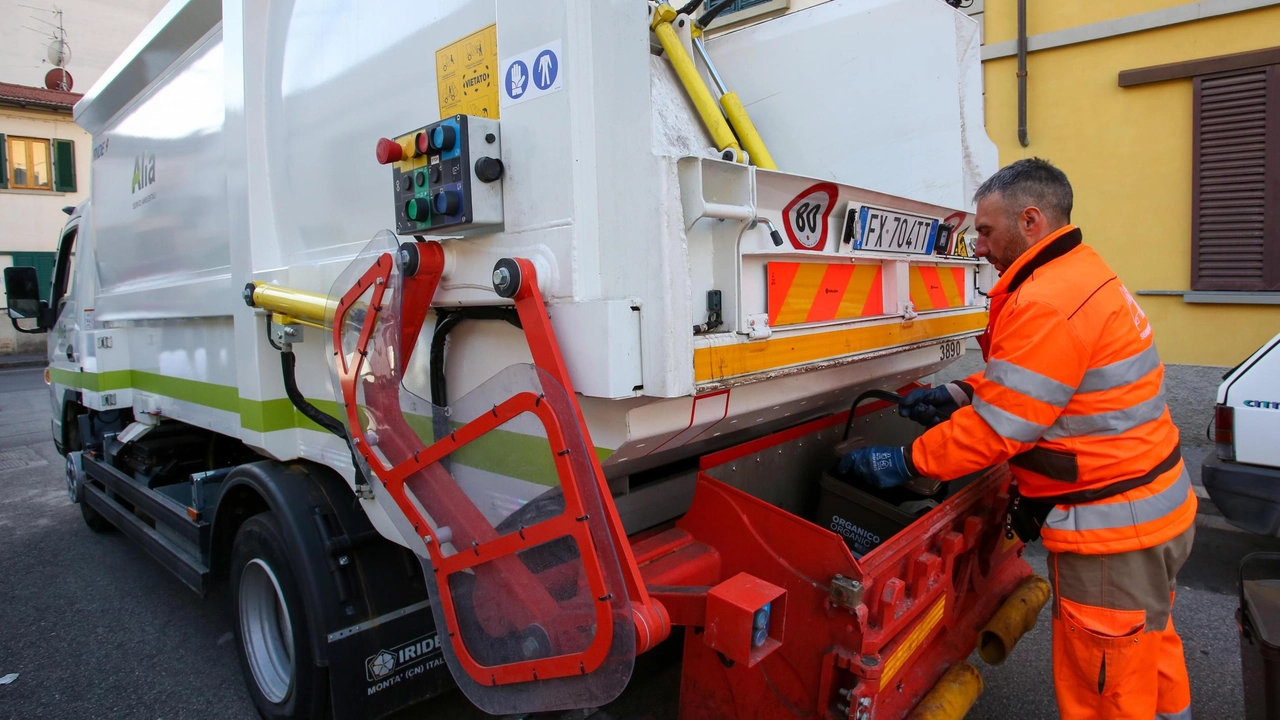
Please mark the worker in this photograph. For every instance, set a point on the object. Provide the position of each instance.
(1072, 397)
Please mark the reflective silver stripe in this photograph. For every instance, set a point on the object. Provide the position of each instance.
(1184, 714)
(1006, 424)
(957, 394)
(1075, 518)
(1112, 422)
(1028, 382)
(1117, 374)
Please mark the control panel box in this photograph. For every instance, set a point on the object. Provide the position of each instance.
(446, 175)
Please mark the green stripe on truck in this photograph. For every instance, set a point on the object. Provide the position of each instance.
(526, 457)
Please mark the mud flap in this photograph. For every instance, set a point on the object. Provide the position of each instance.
(504, 511)
(390, 663)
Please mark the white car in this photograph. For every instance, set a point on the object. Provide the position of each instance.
(1244, 480)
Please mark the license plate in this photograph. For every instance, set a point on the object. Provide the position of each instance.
(891, 231)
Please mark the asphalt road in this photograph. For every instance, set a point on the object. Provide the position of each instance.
(95, 629)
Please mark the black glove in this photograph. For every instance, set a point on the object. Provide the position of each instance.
(930, 406)
(879, 467)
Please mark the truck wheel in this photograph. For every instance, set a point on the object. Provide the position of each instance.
(75, 488)
(271, 623)
(94, 520)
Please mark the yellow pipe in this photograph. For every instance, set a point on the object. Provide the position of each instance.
(746, 130)
(1014, 619)
(279, 319)
(952, 697)
(306, 307)
(689, 76)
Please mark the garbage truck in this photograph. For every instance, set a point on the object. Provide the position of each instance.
(492, 343)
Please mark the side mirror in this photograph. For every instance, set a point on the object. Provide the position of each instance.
(22, 288)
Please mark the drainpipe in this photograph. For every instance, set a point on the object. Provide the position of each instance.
(1022, 73)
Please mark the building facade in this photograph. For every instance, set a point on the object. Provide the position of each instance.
(44, 167)
(44, 156)
(1166, 117)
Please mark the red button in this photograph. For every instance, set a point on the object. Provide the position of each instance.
(389, 151)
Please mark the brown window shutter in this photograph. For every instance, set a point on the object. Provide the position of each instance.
(1235, 222)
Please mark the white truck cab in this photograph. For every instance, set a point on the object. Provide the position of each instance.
(1244, 480)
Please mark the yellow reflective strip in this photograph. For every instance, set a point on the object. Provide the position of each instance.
(913, 642)
(855, 297)
(725, 361)
(948, 281)
(919, 291)
(808, 279)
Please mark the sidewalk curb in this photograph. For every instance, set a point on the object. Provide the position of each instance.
(23, 364)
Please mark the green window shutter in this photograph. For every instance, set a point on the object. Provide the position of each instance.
(64, 165)
(43, 262)
(4, 162)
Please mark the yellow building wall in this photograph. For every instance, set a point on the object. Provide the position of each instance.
(1127, 152)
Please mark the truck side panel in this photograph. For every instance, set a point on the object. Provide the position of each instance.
(160, 197)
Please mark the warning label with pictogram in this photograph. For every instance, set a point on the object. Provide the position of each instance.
(467, 75)
(818, 292)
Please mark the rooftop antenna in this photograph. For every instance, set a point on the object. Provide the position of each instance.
(59, 50)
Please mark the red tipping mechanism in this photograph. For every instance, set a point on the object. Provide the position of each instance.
(506, 597)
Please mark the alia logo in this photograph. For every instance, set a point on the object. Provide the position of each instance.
(144, 171)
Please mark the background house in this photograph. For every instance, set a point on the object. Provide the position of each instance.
(44, 156)
(1166, 117)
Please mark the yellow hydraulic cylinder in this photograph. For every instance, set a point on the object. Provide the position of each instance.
(289, 305)
(702, 99)
(746, 130)
(1014, 619)
(952, 697)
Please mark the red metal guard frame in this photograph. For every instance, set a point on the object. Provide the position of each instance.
(513, 598)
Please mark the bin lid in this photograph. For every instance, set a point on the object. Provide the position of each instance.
(1262, 601)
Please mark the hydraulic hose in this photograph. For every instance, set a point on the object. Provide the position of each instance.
(288, 364)
(885, 395)
(446, 321)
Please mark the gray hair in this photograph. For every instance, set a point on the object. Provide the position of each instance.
(1032, 182)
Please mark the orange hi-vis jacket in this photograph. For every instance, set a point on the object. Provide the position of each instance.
(1073, 397)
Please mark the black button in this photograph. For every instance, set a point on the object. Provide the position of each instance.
(435, 174)
(488, 169)
(421, 177)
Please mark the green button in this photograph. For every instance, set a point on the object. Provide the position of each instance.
(418, 209)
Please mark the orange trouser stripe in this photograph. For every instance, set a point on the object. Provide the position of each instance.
(818, 292)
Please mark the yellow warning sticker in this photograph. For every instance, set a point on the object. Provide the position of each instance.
(467, 75)
(913, 641)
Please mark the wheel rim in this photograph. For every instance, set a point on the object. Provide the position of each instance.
(71, 478)
(265, 630)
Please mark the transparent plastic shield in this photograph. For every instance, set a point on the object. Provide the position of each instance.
(503, 510)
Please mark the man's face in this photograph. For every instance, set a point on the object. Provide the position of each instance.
(1000, 239)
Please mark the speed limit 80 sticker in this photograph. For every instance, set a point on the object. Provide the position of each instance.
(808, 215)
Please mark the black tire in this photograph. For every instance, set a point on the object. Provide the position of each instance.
(94, 519)
(259, 556)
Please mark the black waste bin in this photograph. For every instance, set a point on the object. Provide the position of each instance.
(1259, 621)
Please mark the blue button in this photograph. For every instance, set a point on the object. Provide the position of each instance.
(447, 202)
